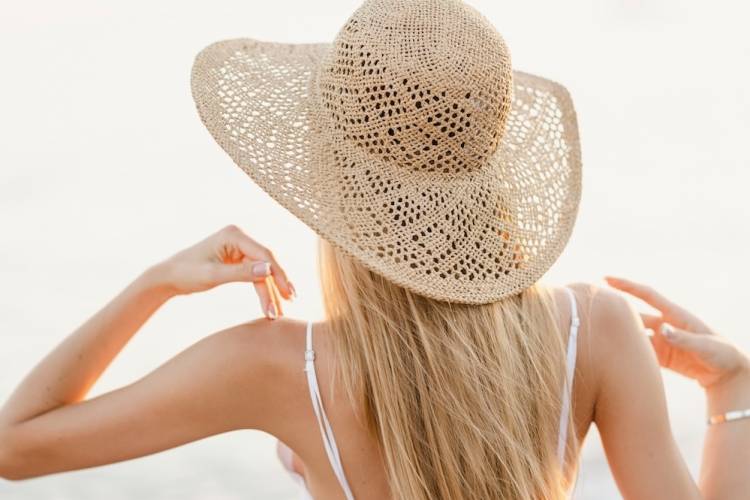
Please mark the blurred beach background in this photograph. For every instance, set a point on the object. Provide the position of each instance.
(105, 168)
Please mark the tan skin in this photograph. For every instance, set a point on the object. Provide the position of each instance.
(685, 344)
(250, 377)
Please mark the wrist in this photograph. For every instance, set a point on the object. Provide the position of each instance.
(730, 393)
(155, 280)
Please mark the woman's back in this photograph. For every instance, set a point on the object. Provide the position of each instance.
(445, 184)
(359, 448)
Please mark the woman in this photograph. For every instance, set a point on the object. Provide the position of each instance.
(443, 185)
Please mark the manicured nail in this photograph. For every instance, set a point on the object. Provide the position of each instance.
(261, 269)
(649, 332)
(292, 289)
(667, 330)
(271, 311)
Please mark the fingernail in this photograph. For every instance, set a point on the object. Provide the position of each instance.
(261, 269)
(271, 311)
(667, 330)
(292, 289)
(649, 332)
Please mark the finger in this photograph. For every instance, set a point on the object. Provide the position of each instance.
(226, 248)
(253, 249)
(275, 294)
(651, 325)
(662, 348)
(246, 270)
(684, 339)
(282, 283)
(651, 321)
(643, 292)
(267, 304)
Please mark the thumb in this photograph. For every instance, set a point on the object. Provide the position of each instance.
(684, 339)
(246, 270)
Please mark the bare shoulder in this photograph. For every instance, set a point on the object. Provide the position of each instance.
(607, 316)
(617, 348)
(268, 342)
(610, 323)
(629, 405)
(612, 347)
(266, 357)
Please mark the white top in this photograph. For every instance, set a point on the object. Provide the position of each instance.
(326, 432)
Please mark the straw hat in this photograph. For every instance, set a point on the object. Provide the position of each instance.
(408, 142)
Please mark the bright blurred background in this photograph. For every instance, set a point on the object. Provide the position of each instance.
(105, 168)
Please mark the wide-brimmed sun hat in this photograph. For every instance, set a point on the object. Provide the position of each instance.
(408, 142)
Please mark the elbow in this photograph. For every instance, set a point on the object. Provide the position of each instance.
(12, 463)
(11, 475)
(7, 470)
(12, 472)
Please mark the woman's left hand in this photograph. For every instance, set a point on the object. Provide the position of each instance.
(685, 344)
(226, 256)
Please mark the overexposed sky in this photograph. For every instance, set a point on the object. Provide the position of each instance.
(105, 168)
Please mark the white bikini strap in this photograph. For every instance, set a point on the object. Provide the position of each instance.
(571, 364)
(329, 442)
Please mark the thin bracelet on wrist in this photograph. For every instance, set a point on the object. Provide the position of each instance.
(728, 416)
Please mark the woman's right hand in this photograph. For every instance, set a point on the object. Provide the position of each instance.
(685, 344)
(226, 256)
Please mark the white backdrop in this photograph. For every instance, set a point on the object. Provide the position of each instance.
(105, 168)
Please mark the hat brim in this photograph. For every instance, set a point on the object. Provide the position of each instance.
(257, 99)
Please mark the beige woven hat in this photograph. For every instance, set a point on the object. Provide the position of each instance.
(408, 142)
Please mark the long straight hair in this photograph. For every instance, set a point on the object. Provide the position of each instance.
(464, 399)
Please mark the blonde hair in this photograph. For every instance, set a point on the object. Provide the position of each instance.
(464, 399)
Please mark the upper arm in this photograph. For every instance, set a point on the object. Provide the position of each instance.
(209, 388)
(630, 408)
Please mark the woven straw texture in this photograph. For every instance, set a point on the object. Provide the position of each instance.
(408, 142)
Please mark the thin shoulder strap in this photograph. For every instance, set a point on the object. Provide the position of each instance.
(329, 442)
(570, 371)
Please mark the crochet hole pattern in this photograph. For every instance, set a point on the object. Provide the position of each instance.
(411, 111)
(408, 142)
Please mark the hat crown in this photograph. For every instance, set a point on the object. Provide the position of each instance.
(422, 84)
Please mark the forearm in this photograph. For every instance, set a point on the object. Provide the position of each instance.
(725, 471)
(67, 373)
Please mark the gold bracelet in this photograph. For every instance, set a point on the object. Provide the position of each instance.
(729, 416)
